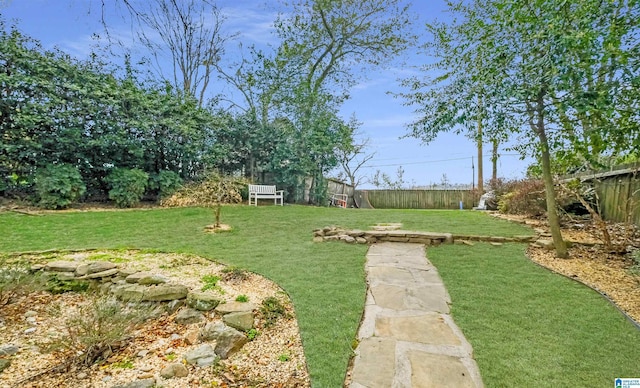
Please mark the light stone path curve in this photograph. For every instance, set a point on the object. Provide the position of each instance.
(407, 338)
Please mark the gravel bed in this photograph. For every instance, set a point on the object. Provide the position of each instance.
(33, 322)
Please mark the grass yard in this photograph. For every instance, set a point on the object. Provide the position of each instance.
(532, 328)
(326, 282)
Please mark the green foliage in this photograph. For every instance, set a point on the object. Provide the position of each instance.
(58, 186)
(127, 186)
(55, 285)
(125, 363)
(211, 190)
(101, 325)
(252, 334)
(57, 110)
(242, 298)
(210, 282)
(272, 310)
(165, 182)
(284, 357)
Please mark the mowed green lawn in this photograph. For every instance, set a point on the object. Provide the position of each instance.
(326, 281)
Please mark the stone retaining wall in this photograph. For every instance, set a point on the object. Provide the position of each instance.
(332, 233)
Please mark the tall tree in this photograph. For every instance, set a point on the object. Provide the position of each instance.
(187, 33)
(352, 153)
(325, 41)
(555, 68)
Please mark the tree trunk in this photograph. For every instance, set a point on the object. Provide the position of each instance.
(550, 195)
(480, 175)
(494, 161)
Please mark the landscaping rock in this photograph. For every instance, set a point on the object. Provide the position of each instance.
(189, 316)
(191, 336)
(165, 292)
(356, 233)
(234, 307)
(318, 239)
(349, 240)
(544, 243)
(153, 279)
(37, 267)
(61, 266)
(174, 305)
(124, 272)
(129, 293)
(102, 274)
(202, 356)
(65, 275)
(136, 276)
(146, 383)
(174, 370)
(202, 301)
(211, 331)
(242, 321)
(94, 267)
(9, 350)
(4, 364)
(229, 342)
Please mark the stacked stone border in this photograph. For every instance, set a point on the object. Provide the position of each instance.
(217, 339)
(333, 233)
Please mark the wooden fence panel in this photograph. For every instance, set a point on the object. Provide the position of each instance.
(620, 198)
(420, 199)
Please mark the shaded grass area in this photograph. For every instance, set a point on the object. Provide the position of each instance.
(530, 327)
(325, 281)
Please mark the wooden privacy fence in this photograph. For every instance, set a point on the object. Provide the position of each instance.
(620, 198)
(618, 191)
(420, 199)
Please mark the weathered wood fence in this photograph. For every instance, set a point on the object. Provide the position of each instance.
(620, 198)
(420, 199)
(618, 191)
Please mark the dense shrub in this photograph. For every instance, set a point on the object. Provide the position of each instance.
(58, 186)
(525, 196)
(127, 186)
(213, 189)
(165, 183)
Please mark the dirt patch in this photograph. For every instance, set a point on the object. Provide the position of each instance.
(274, 358)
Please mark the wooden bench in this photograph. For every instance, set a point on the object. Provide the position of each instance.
(265, 192)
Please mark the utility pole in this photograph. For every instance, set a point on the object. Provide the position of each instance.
(494, 160)
(473, 182)
(480, 177)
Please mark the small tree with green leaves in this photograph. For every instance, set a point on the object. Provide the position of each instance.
(212, 191)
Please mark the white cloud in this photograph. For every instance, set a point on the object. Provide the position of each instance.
(396, 122)
(252, 24)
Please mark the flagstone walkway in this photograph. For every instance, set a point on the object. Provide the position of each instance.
(407, 338)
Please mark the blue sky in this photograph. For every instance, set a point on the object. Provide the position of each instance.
(70, 24)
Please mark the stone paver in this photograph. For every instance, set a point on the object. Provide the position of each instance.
(407, 337)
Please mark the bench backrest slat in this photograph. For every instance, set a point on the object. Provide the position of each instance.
(262, 189)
